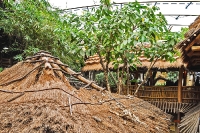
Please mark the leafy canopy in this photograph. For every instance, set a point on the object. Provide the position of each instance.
(122, 35)
(34, 25)
(119, 35)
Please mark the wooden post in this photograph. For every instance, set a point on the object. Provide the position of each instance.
(151, 77)
(136, 83)
(180, 84)
(177, 122)
(185, 78)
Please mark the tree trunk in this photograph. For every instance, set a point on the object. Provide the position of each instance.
(105, 67)
(112, 77)
(105, 71)
(119, 82)
(121, 76)
(128, 80)
(145, 78)
(107, 82)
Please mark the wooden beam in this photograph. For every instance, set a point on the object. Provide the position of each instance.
(151, 77)
(197, 64)
(195, 59)
(195, 48)
(192, 43)
(185, 78)
(180, 84)
(190, 53)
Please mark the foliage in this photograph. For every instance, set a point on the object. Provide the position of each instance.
(120, 36)
(1, 69)
(160, 84)
(99, 78)
(35, 25)
(120, 32)
(183, 31)
(173, 76)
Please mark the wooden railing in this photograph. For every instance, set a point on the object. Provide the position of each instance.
(190, 94)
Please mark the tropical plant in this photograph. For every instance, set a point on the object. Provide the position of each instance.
(119, 36)
(1, 69)
(99, 78)
(173, 76)
(116, 35)
(35, 25)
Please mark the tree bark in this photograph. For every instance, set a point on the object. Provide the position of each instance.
(105, 71)
(146, 75)
(119, 81)
(121, 76)
(112, 77)
(127, 76)
(105, 67)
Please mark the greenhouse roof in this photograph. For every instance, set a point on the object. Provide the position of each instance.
(178, 13)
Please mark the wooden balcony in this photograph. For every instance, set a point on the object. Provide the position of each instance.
(166, 97)
(190, 94)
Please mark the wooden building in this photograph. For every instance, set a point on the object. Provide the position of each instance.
(190, 53)
(158, 94)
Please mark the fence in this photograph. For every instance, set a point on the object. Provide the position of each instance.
(190, 94)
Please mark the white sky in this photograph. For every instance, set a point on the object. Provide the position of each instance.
(170, 8)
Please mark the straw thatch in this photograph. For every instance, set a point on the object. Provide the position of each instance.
(93, 63)
(35, 96)
(192, 38)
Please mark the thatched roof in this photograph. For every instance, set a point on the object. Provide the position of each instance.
(35, 96)
(93, 63)
(190, 46)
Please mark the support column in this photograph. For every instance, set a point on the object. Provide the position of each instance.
(185, 78)
(177, 122)
(151, 77)
(180, 84)
(136, 83)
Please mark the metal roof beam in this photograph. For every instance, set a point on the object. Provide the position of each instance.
(181, 14)
(140, 1)
(188, 5)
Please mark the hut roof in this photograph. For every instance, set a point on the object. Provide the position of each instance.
(93, 63)
(190, 46)
(35, 96)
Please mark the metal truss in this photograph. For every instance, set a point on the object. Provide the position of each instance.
(146, 2)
